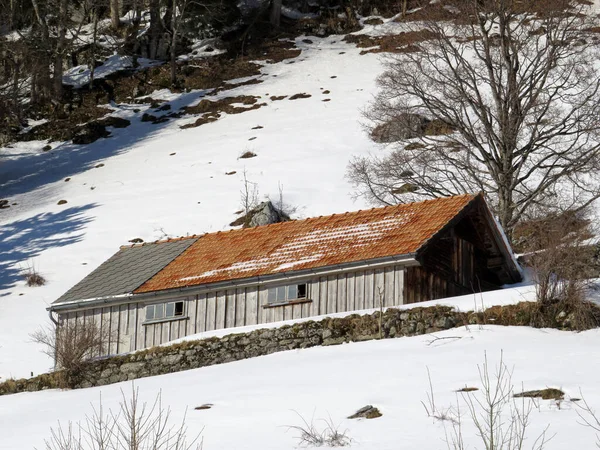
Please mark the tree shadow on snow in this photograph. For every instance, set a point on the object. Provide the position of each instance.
(35, 170)
(23, 240)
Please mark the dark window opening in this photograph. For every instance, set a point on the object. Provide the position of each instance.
(179, 309)
(302, 291)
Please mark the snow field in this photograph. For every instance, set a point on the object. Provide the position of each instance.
(256, 400)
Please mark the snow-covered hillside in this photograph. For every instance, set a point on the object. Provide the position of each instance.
(256, 400)
(149, 180)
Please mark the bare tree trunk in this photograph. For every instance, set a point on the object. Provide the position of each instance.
(155, 28)
(276, 13)
(60, 50)
(41, 71)
(115, 19)
(16, 75)
(94, 41)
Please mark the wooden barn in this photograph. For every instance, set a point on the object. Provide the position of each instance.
(149, 294)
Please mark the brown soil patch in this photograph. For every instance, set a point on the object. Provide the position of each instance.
(393, 43)
(211, 110)
(247, 155)
(62, 129)
(275, 98)
(300, 95)
(274, 51)
(467, 389)
(544, 394)
(373, 21)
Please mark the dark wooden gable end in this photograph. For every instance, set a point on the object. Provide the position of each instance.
(468, 256)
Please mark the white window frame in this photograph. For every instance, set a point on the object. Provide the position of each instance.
(164, 307)
(280, 294)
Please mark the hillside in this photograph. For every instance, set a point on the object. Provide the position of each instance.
(285, 131)
(256, 400)
(149, 180)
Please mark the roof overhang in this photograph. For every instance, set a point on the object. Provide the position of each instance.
(512, 266)
(405, 260)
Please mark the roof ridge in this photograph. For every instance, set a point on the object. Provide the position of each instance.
(327, 216)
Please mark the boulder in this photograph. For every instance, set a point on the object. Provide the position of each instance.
(265, 213)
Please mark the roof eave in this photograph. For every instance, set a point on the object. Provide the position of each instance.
(73, 304)
(405, 259)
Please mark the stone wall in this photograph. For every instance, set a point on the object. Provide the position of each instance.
(234, 347)
(328, 331)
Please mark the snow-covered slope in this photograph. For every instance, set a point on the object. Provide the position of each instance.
(159, 179)
(257, 399)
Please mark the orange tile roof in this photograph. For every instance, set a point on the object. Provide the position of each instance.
(308, 244)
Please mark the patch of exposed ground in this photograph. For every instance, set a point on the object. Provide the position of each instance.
(544, 394)
(210, 111)
(405, 42)
(71, 128)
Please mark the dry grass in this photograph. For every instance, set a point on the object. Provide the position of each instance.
(311, 435)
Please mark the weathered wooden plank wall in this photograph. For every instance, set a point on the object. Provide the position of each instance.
(246, 306)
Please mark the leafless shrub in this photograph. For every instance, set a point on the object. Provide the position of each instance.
(135, 426)
(33, 277)
(282, 206)
(431, 408)
(562, 262)
(588, 416)
(71, 345)
(310, 435)
(500, 420)
(248, 198)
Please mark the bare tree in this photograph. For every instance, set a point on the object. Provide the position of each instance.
(248, 198)
(508, 104)
(71, 345)
(500, 420)
(135, 426)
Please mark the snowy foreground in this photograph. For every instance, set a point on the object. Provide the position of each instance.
(255, 400)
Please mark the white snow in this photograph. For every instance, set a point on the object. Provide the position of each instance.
(144, 191)
(256, 400)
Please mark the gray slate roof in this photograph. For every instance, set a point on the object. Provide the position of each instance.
(126, 270)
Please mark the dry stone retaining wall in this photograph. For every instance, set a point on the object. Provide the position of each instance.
(235, 347)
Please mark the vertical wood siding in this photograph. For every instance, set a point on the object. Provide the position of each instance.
(245, 306)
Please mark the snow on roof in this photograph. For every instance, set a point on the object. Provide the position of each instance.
(308, 244)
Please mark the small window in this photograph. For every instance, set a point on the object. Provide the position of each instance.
(159, 311)
(282, 294)
(164, 311)
(292, 291)
(150, 312)
(170, 309)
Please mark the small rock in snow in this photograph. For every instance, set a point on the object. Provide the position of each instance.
(366, 412)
